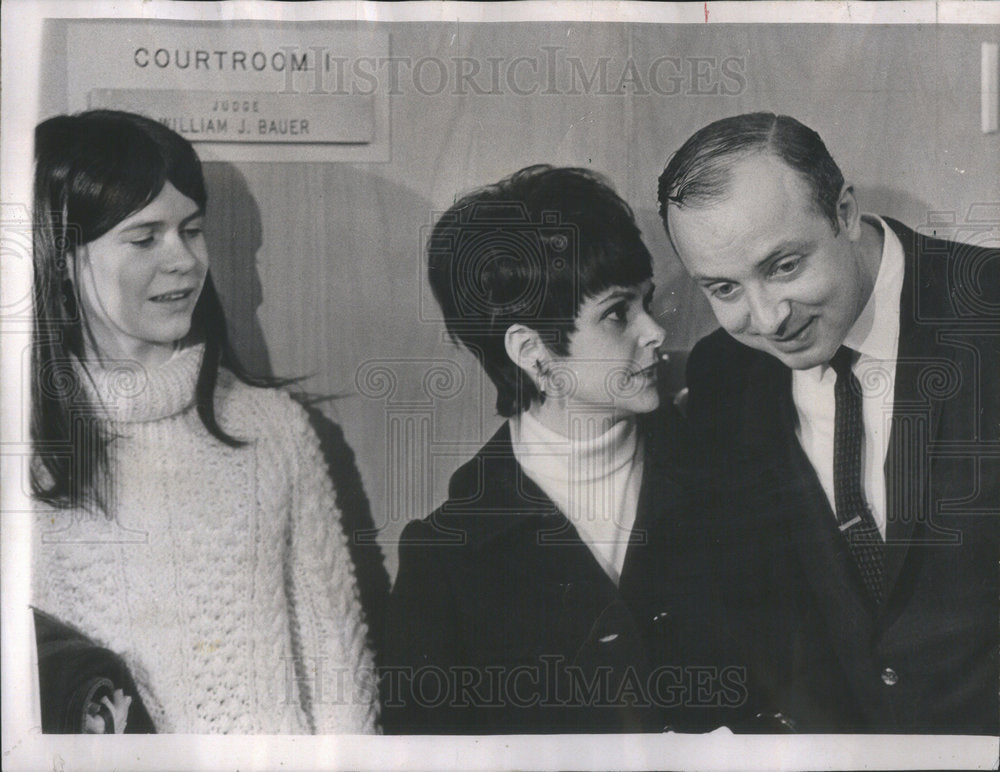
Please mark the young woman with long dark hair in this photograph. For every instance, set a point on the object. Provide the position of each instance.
(190, 525)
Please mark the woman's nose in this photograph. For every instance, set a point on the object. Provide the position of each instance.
(178, 256)
(652, 334)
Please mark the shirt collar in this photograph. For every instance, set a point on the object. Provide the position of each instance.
(875, 333)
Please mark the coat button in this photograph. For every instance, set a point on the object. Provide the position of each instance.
(661, 617)
(890, 677)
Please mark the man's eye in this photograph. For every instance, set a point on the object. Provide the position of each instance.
(723, 291)
(786, 267)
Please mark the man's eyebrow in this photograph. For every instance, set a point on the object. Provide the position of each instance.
(784, 248)
(709, 279)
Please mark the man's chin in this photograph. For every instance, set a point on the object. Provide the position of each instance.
(800, 359)
(803, 359)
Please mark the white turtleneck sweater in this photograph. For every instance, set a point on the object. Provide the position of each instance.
(221, 575)
(594, 482)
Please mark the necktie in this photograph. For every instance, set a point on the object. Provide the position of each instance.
(855, 518)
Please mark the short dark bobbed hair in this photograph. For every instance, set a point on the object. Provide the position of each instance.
(529, 250)
(93, 170)
(698, 173)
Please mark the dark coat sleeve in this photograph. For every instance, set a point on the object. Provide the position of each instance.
(74, 673)
(421, 637)
(717, 373)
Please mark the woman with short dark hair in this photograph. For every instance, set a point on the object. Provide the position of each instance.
(515, 606)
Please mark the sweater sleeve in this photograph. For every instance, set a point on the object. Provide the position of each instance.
(337, 680)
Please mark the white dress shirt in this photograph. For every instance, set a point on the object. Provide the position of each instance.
(875, 336)
(594, 482)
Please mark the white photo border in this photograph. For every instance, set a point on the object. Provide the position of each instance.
(23, 745)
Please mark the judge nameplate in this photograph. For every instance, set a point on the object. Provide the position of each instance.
(234, 116)
(242, 92)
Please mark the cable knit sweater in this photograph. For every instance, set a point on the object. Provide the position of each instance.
(221, 575)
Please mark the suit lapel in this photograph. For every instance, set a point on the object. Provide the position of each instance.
(921, 360)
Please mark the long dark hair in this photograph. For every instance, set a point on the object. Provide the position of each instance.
(92, 170)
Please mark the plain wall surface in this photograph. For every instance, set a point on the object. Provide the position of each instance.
(320, 264)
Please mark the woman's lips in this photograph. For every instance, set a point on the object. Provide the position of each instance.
(647, 372)
(171, 297)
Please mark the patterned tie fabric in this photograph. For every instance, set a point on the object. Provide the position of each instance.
(853, 514)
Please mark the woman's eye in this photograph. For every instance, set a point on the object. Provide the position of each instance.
(618, 313)
(192, 232)
(145, 241)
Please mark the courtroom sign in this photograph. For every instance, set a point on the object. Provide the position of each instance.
(300, 92)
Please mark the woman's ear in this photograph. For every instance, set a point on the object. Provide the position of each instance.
(526, 350)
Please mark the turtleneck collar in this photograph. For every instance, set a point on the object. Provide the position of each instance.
(131, 393)
(592, 458)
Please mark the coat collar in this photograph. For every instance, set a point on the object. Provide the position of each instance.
(490, 495)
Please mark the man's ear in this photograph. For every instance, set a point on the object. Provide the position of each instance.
(849, 213)
(526, 350)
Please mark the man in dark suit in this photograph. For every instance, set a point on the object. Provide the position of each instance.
(848, 415)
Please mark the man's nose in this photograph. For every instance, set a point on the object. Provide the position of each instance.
(768, 315)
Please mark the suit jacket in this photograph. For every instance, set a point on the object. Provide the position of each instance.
(926, 659)
(502, 621)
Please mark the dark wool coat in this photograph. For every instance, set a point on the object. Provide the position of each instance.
(502, 621)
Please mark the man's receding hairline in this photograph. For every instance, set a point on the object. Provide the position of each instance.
(727, 162)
